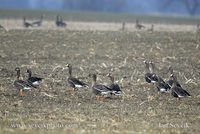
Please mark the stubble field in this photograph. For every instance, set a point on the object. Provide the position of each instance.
(53, 109)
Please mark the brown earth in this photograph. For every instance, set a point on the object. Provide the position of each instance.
(98, 48)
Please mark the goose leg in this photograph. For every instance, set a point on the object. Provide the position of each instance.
(102, 98)
(178, 99)
(21, 93)
(99, 98)
(72, 89)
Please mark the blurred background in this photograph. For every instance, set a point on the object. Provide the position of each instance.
(163, 7)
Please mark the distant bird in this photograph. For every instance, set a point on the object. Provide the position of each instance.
(138, 25)
(123, 25)
(151, 29)
(60, 22)
(114, 86)
(38, 22)
(178, 92)
(198, 28)
(2, 27)
(21, 85)
(33, 80)
(99, 90)
(170, 81)
(26, 24)
(74, 82)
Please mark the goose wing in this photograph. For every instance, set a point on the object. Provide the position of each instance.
(170, 83)
(148, 77)
(162, 87)
(115, 87)
(101, 89)
(22, 84)
(33, 79)
(76, 82)
(180, 91)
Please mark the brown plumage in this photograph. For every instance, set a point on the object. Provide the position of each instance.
(21, 85)
(99, 89)
(178, 92)
(74, 82)
(116, 90)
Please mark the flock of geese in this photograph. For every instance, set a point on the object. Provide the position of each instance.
(102, 91)
(172, 84)
(99, 90)
(59, 22)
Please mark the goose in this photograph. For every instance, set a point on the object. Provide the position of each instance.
(155, 76)
(99, 90)
(151, 29)
(114, 86)
(2, 27)
(38, 22)
(123, 25)
(162, 86)
(74, 82)
(60, 22)
(148, 75)
(170, 81)
(27, 24)
(178, 92)
(33, 80)
(57, 20)
(198, 28)
(138, 25)
(21, 85)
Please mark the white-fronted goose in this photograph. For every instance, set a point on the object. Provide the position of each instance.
(155, 76)
(123, 26)
(138, 25)
(151, 29)
(170, 81)
(27, 24)
(2, 27)
(114, 86)
(99, 89)
(198, 28)
(33, 80)
(38, 22)
(178, 92)
(148, 75)
(21, 85)
(74, 82)
(60, 22)
(162, 86)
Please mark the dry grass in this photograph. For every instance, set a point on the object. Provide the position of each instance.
(122, 53)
